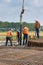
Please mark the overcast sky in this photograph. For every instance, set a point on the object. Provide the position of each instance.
(10, 10)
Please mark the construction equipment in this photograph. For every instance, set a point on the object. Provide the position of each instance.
(22, 11)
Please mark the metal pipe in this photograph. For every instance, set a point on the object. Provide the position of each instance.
(21, 22)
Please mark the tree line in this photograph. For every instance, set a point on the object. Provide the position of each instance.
(16, 25)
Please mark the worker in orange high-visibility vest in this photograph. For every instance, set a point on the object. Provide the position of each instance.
(37, 27)
(25, 35)
(9, 36)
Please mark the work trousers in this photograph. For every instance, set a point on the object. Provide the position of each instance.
(25, 39)
(37, 32)
(10, 39)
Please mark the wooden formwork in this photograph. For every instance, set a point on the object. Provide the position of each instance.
(35, 42)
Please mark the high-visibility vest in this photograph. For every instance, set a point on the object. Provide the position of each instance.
(9, 34)
(37, 25)
(25, 31)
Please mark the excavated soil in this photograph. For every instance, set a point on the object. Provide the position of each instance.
(21, 55)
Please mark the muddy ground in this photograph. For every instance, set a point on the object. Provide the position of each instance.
(21, 55)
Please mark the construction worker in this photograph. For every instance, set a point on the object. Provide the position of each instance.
(25, 35)
(9, 37)
(37, 27)
(18, 36)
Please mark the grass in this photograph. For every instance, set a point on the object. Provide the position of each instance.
(3, 36)
(14, 38)
(41, 37)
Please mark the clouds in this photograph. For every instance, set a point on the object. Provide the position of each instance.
(10, 14)
(38, 3)
(33, 10)
(34, 3)
(10, 10)
(6, 1)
